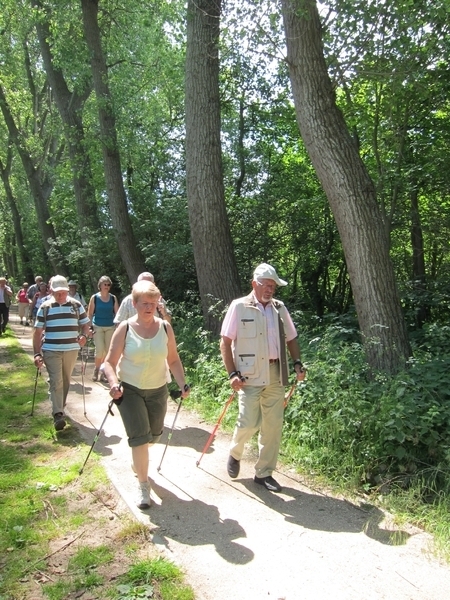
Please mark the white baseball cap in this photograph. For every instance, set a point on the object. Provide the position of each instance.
(265, 271)
(59, 284)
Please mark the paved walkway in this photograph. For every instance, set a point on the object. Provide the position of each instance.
(235, 539)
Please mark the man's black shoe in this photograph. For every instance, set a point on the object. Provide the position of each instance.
(269, 483)
(233, 467)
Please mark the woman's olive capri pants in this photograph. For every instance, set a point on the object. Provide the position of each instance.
(143, 413)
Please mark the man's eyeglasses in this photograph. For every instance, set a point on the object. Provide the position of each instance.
(267, 286)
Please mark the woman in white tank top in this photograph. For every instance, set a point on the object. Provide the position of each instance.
(136, 368)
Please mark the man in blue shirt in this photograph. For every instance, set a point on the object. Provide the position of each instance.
(56, 341)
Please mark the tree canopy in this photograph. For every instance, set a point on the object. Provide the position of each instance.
(85, 200)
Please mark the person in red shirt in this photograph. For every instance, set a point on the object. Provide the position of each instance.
(23, 303)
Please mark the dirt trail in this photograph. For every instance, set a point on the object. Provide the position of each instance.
(235, 539)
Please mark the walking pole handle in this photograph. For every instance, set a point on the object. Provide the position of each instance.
(174, 394)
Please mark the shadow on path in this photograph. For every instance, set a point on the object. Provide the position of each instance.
(194, 523)
(324, 513)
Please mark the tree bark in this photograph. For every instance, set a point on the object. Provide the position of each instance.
(69, 106)
(129, 250)
(349, 190)
(418, 260)
(25, 262)
(39, 190)
(215, 262)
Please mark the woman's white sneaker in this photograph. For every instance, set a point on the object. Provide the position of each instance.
(144, 500)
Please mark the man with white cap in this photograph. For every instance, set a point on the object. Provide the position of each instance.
(60, 319)
(255, 332)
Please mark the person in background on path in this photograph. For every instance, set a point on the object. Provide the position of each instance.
(32, 291)
(39, 298)
(101, 311)
(127, 310)
(74, 293)
(254, 333)
(59, 319)
(135, 367)
(5, 302)
(23, 303)
(9, 283)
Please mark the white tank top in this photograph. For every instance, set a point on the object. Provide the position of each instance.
(143, 362)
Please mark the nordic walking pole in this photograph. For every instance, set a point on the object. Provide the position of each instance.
(38, 372)
(289, 394)
(109, 411)
(211, 437)
(293, 387)
(174, 395)
(82, 381)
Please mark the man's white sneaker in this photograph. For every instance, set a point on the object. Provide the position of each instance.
(144, 495)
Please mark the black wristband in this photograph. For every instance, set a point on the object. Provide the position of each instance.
(298, 362)
(234, 374)
(38, 354)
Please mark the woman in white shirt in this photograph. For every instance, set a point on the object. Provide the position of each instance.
(136, 368)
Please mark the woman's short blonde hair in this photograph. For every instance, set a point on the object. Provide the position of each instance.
(103, 279)
(144, 288)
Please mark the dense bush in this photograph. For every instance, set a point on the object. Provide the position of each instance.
(344, 422)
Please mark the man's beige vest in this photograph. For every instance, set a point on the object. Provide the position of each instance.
(251, 347)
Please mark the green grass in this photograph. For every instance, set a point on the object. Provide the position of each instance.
(44, 505)
(140, 580)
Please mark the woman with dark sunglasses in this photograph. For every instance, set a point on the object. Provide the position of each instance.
(101, 311)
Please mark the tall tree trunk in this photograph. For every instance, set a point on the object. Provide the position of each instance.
(69, 106)
(38, 192)
(215, 263)
(418, 259)
(349, 189)
(131, 256)
(25, 262)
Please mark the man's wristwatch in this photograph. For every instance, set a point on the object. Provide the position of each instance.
(298, 362)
